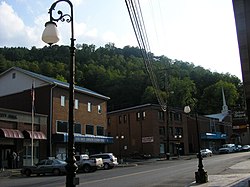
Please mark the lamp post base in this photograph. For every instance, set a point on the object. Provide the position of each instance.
(201, 176)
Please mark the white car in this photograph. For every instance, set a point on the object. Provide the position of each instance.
(206, 152)
(109, 160)
(227, 148)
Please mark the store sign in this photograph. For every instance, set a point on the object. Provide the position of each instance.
(239, 114)
(9, 116)
(148, 139)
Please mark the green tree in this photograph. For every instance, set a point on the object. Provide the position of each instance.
(212, 102)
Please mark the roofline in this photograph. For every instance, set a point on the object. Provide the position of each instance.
(138, 107)
(56, 82)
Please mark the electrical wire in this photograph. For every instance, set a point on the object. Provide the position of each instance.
(135, 13)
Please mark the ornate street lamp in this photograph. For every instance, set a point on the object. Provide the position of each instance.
(201, 174)
(50, 36)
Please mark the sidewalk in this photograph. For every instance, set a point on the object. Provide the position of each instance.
(238, 176)
(10, 172)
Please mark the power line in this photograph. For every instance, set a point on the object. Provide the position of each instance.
(138, 24)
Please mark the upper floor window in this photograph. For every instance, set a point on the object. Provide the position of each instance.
(13, 75)
(160, 115)
(99, 108)
(62, 100)
(138, 115)
(125, 118)
(90, 129)
(162, 130)
(143, 115)
(89, 107)
(178, 131)
(99, 130)
(76, 103)
(109, 121)
(120, 119)
(177, 117)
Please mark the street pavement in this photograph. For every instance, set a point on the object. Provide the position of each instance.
(231, 178)
(237, 175)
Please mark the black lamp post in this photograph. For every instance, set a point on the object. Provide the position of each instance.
(178, 136)
(201, 174)
(50, 36)
(119, 138)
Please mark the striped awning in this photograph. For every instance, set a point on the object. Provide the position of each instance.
(36, 135)
(10, 133)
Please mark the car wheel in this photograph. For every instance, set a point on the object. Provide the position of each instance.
(56, 172)
(106, 166)
(86, 168)
(27, 172)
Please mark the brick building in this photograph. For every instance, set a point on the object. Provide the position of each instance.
(146, 130)
(143, 130)
(51, 99)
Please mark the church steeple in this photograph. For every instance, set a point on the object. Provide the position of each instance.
(224, 107)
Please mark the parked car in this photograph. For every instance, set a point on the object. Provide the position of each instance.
(109, 160)
(246, 148)
(227, 148)
(52, 166)
(206, 152)
(87, 164)
(238, 148)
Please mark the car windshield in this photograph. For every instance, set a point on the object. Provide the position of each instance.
(59, 162)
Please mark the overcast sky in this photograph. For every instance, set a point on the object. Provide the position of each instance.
(201, 32)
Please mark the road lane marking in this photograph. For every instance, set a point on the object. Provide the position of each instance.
(121, 176)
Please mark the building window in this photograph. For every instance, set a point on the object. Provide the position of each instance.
(76, 103)
(78, 128)
(178, 131)
(171, 116)
(61, 126)
(162, 130)
(160, 115)
(99, 131)
(143, 115)
(89, 107)
(177, 117)
(120, 119)
(138, 115)
(13, 75)
(99, 108)
(125, 118)
(109, 121)
(90, 129)
(62, 100)
(171, 131)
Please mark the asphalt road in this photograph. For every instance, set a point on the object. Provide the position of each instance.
(173, 173)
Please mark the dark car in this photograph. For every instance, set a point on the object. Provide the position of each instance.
(46, 166)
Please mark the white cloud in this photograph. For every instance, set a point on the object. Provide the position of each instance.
(11, 24)
(13, 31)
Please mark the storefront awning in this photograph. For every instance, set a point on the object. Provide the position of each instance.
(10, 133)
(63, 137)
(36, 135)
